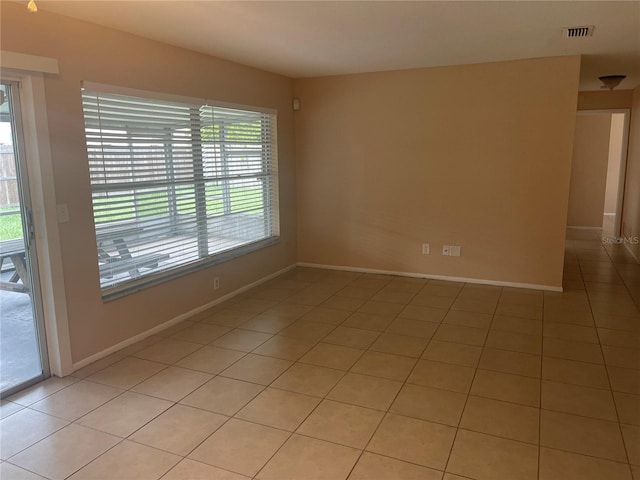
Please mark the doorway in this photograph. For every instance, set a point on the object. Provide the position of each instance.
(598, 171)
(23, 358)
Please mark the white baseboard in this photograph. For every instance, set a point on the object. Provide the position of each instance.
(169, 323)
(480, 281)
(576, 227)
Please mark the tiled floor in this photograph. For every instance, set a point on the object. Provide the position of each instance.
(334, 375)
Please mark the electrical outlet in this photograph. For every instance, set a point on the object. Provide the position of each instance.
(216, 283)
(446, 250)
(454, 250)
(426, 249)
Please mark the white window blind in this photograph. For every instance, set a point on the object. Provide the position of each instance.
(176, 185)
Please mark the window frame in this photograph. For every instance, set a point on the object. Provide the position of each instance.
(205, 260)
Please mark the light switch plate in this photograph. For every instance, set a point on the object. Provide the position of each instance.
(63, 213)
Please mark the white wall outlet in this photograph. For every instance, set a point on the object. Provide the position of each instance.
(63, 212)
(426, 249)
(454, 250)
(216, 283)
(446, 250)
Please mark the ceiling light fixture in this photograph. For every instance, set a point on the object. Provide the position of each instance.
(32, 7)
(611, 81)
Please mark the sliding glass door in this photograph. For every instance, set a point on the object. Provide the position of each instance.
(23, 358)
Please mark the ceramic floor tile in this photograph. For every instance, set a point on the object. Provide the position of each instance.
(25, 428)
(368, 321)
(309, 379)
(401, 298)
(381, 308)
(267, 324)
(124, 414)
(279, 409)
(9, 408)
(9, 471)
(172, 383)
(190, 469)
(485, 457)
(624, 380)
(331, 316)
(289, 310)
(304, 330)
(454, 353)
(332, 356)
(352, 337)
(376, 467)
(574, 333)
(516, 325)
(240, 447)
(41, 390)
(426, 314)
(242, 340)
(511, 362)
(577, 373)
(76, 400)
(257, 369)
(415, 441)
(477, 306)
(622, 357)
(399, 345)
(311, 459)
(201, 333)
(393, 367)
(587, 436)
(461, 334)
(619, 338)
(168, 350)
(179, 429)
(128, 460)
(127, 372)
(533, 312)
(343, 303)
(365, 391)
(468, 319)
(223, 395)
(578, 351)
(503, 419)
(442, 375)
(412, 328)
(59, 455)
(285, 348)
(506, 387)
(578, 400)
(628, 407)
(228, 318)
(515, 342)
(432, 301)
(631, 437)
(341, 423)
(555, 464)
(211, 360)
(430, 404)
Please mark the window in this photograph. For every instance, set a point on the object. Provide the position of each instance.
(176, 185)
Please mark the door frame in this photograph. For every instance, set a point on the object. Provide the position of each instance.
(30, 71)
(31, 253)
(623, 160)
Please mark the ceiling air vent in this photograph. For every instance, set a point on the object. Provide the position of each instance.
(578, 32)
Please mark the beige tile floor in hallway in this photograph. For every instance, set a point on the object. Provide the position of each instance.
(334, 375)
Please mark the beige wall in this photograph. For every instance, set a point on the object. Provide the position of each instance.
(631, 209)
(477, 156)
(89, 52)
(613, 166)
(589, 170)
(604, 99)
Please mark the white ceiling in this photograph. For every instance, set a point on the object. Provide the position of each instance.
(317, 38)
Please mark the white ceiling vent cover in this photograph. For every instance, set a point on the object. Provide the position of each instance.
(578, 32)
